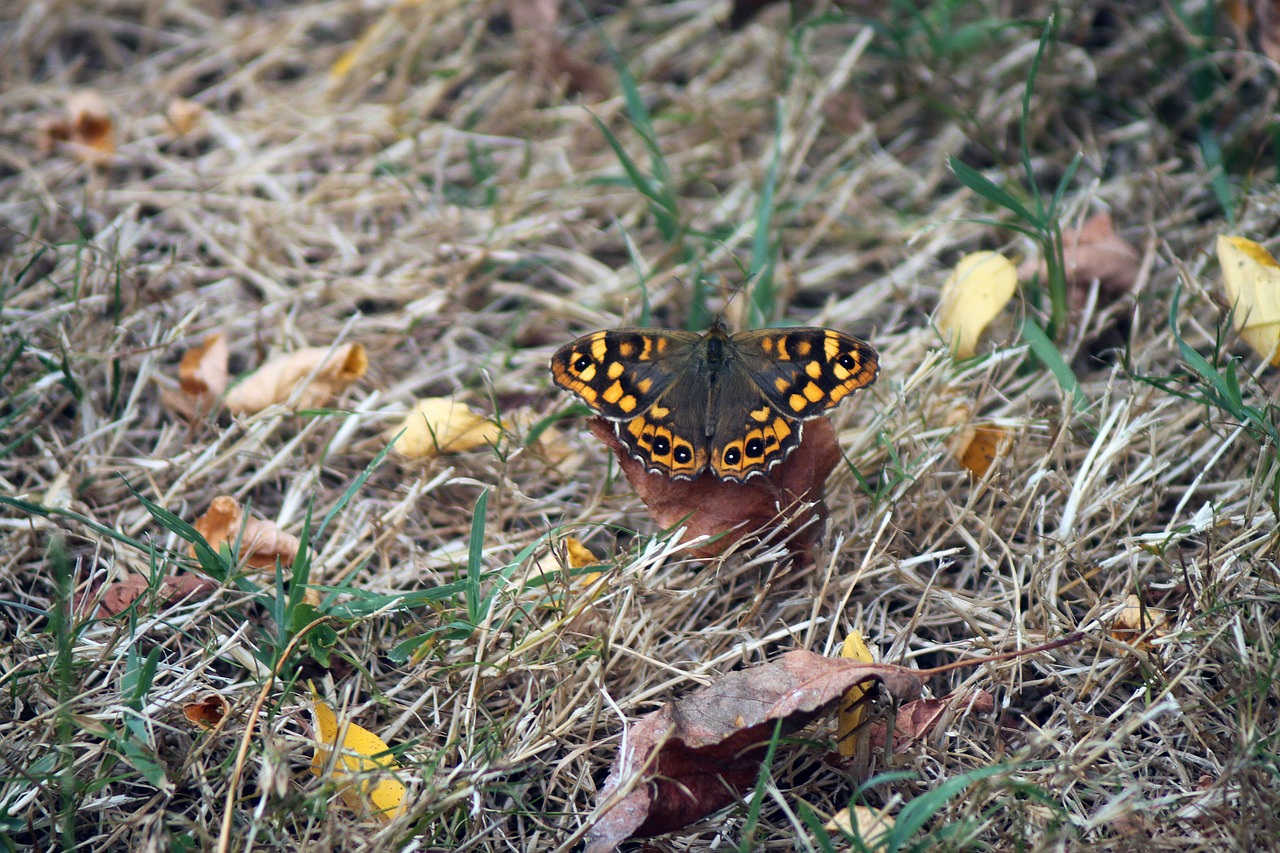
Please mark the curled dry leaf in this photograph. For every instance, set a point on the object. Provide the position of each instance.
(785, 503)
(1251, 279)
(695, 755)
(1139, 625)
(364, 768)
(439, 425)
(866, 824)
(316, 374)
(87, 129)
(120, 594)
(574, 555)
(851, 710)
(534, 23)
(918, 718)
(208, 712)
(976, 291)
(976, 445)
(1093, 252)
(1097, 252)
(202, 378)
(261, 544)
(183, 115)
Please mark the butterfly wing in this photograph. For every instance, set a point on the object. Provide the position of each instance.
(750, 435)
(803, 372)
(629, 376)
(620, 373)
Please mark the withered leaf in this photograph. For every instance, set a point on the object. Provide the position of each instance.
(534, 23)
(439, 425)
(88, 129)
(697, 754)
(208, 711)
(785, 503)
(975, 293)
(120, 594)
(1094, 252)
(917, 718)
(1138, 625)
(262, 542)
(324, 371)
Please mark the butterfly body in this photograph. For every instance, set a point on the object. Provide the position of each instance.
(684, 403)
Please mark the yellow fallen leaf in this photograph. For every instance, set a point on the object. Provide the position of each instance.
(851, 710)
(374, 791)
(440, 425)
(1138, 625)
(325, 371)
(1251, 279)
(977, 289)
(869, 825)
(262, 543)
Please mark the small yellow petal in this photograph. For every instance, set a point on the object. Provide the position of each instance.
(363, 753)
(850, 716)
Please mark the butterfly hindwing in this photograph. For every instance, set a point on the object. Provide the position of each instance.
(751, 438)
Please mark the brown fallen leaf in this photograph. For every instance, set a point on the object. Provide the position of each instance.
(1256, 22)
(976, 445)
(320, 372)
(785, 503)
(202, 378)
(695, 755)
(1139, 625)
(1094, 252)
(916, 719)
(87, 130)
(262, 542)
(120, 594)
(202, 373)
(208, 712)
(534, 23)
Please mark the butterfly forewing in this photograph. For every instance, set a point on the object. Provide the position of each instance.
(806, 371)
(621, 372)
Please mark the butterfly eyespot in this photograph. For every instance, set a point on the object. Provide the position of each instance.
(661, 447)
(755, 447)
(847, 361)
(684, 455)
(581, 363)
(732, 456)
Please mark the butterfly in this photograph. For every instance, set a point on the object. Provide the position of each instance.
(683, 403)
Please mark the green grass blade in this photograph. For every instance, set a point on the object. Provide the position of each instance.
(1049, 355)
(475, 549)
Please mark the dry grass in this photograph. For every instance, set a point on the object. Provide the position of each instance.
(460, 217)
